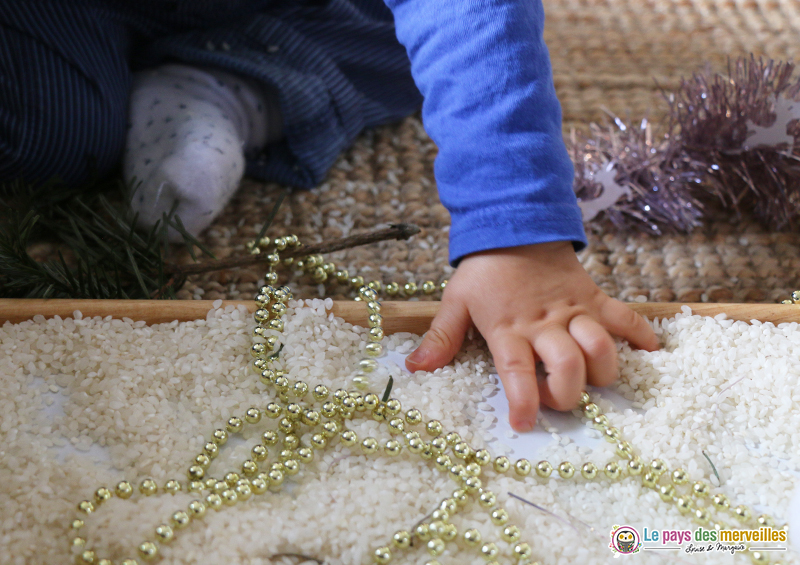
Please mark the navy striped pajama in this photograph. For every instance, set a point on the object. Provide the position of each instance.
(65, 72)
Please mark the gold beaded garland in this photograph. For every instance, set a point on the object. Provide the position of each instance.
(295, 419)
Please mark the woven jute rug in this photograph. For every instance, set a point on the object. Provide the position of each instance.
(608, 56)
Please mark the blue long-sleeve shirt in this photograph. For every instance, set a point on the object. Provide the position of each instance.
(503, 170)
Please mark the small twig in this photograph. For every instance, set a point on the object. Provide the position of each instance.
(713, 468)
(394, 231)
(546, 511)
(388, 390)
(298, 556)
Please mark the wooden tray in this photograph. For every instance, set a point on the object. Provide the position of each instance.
(414, 317)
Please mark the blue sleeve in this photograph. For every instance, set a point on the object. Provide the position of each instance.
(502, 170)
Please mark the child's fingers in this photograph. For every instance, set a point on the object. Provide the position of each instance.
(443, 340)
(565, 366)
(516, 367)
(599, 351)
(627, 324)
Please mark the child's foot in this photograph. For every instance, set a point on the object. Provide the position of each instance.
(189, 131)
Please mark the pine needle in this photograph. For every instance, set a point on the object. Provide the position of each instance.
(713, 468)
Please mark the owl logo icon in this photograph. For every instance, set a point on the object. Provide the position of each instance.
(625, 540)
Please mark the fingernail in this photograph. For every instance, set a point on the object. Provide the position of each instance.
(417, 356)
(524, 425)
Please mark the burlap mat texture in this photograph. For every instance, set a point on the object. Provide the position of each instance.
(612, 55)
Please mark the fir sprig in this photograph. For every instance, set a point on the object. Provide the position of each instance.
(106, 255)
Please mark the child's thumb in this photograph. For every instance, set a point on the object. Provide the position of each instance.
(442, 341)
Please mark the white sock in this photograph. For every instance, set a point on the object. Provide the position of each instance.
(188, 135)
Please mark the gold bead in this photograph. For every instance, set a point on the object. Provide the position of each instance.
(392, 448)
(434, 428)
(260, 485)
(101, 495)
(489, 550)
(591, 410)
(203, 460)
(452, 438)
(499, 516)
(342, 276)
(130, 562)
(249, 468)
(196, 472)
(410, 288)
(759, 557)
(700, 488)
(286, 426)
(443, 284)
(258, 349)
(438, 445)
(589, 471)
(373, 349)
(401, 539)
(742, 512)
(375, 334)
(657, 466)
(684, 504)
(181, 519)
(474, 469)
(348, 438)
(275, 478)
(291, 467)
(585, 399)
(413, 417)
(443, 462)
(229, 497)
(88, 557)
(449, 505)
(219, 437)
(197, 509)
(320, 393)
(483, 457)
(428, 287)
(369, 446)
(666, 492)
(357, 281)
(612, 435)
(382, 555)
(435, 547)
(367, 365)
(600, 422)
(330, 429)
(472, 537)
(243, 492)
(679, 477)
(253, 415)
(701, 516)
(487, 499)
(76, 524)
(319, 441)
(259, 453)
(566, 470)
(721, 501)
(393, 407)
(214, 501)
(522, 467)
(649, 480)
(613, 471)
(625, 449)
(375, 285)
(635, 467)
(231, 478)
(511, 534)
(148, 487)
(211, 450)
(450, 532)
(269, 437)
(523, 551)
(78, 542)
(422, 532)
(173, 486)
(148, 550)
(544, 469)
(462, 450)
(392, 288)
(305, 455)
(123, 489)
(164, 533)
(766, 521)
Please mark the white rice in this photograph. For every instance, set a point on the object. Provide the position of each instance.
(140, 401)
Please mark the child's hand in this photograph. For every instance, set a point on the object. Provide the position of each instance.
(533, 302)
